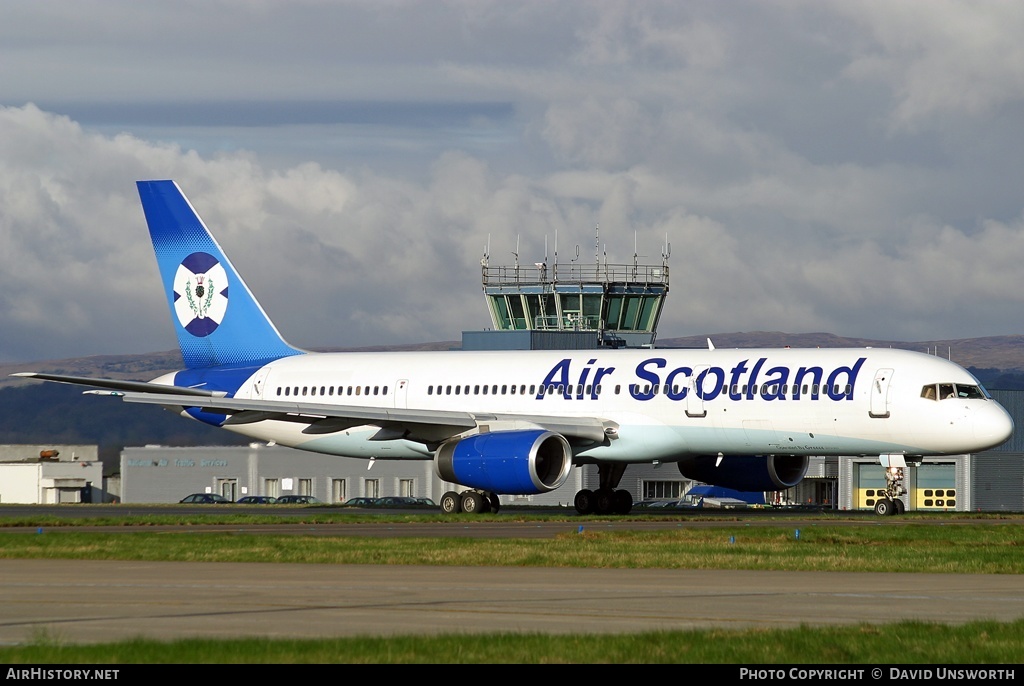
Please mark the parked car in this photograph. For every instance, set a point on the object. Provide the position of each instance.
(205, 499)
(256, 500)
(398, 501)
(658, 502)
(298, 500)
(361, 502)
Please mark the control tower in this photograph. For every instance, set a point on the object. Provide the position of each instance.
(617, 304)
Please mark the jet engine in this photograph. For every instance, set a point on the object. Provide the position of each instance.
(746, 472)
(511, 462)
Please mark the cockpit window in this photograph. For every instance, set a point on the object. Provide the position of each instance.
(942, 391)
(967, 391)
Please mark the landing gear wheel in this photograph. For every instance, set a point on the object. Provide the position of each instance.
(451, 503)
(604, 501)
(900, 507)
(495, 502)
(623, 502)
(472, 502)
(584, 501)
(884, 507)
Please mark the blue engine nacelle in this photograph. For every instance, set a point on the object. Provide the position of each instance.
(746, 472)
(511, 462)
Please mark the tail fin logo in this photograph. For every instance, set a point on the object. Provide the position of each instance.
(200, 294)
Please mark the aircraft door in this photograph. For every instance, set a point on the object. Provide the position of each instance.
(401, 393)
(880, 394)
(259, 383)
(694, 395)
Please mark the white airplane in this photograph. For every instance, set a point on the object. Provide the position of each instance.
(517, 422)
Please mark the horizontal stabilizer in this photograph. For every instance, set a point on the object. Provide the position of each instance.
(120, 384)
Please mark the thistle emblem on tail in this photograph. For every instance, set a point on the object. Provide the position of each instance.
(200, 294)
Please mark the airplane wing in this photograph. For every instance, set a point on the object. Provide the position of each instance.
(425, 426)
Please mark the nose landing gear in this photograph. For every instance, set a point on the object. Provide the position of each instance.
(895, 471)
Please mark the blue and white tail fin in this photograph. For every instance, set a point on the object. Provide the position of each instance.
(216, 317)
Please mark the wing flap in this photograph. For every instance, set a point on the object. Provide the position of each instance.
(427, 426)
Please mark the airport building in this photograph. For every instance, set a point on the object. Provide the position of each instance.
(51, 474)
(992, 481)
(575, 305)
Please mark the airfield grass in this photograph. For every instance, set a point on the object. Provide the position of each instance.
(963, 548)
(978, 643)
(956, 546)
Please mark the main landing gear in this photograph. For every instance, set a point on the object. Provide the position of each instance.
(606, 499)
(471, 502)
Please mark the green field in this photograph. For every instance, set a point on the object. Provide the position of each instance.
(937, 543)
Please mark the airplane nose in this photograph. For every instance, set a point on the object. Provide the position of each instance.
(993, 425)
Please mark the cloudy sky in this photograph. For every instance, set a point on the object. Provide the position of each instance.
(848, 167)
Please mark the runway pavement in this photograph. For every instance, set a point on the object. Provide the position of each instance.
(97, 601)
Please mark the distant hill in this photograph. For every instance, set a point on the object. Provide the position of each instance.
(147, 365)
(1005, 353)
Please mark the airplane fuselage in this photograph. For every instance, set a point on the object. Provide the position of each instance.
(666, 403)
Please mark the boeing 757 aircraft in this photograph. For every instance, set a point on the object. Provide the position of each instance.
(501, 422)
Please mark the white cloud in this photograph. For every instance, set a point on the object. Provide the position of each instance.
(847, 167)
(941, 57)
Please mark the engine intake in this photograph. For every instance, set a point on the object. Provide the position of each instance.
(509, 462)
(746, 472)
